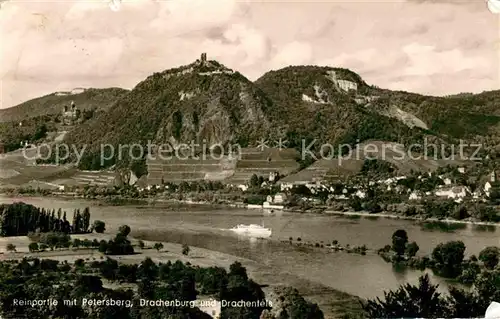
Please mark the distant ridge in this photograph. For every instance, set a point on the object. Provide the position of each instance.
(53, 103)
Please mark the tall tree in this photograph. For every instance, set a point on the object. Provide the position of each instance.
(74, 223)
(86, 219)
(399, 241)
(449, 257)
(490, 257)
(421, 301)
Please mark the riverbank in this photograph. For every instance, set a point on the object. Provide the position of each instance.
(118, 201)
(422, 219)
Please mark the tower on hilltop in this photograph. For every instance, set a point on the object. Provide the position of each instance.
(203, 57)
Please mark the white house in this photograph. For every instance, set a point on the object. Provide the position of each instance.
(243, 187)
(414, 196)
(360, 194)
(314, 185)
(286, 186)
(461, 170)
(453, 192)
(279, 198)
(487, 188)
(391, 180)
(273, 176)
(275, 202)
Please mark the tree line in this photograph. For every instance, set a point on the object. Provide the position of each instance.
(446, 260)
(20, 219)
(424, 300)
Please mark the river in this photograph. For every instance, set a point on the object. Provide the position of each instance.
(365, 276)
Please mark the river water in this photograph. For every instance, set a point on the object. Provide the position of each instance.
(365, 276)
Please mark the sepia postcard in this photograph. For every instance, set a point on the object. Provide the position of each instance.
(244, 159)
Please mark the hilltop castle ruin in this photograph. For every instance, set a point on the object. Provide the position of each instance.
(70, 114)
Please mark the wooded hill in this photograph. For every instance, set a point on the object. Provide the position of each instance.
(99, 99)
(206, 101)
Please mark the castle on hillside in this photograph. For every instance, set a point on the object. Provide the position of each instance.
(202, 61)
(70, 114)
(212, 67)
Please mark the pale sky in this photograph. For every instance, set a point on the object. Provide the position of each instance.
(433, 47)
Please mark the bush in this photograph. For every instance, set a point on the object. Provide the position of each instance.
(185, 249)
(141, 244)
(103, 246)
(412, 249)
(99, 226)
(490, 257)
(159, 246)
(120, 245)
(11, 247)
(79, 262)
(76, 243)
(449, 257)
(55, 240)
(87, 243)
(33, 247)
(255, 199)
(124, 230)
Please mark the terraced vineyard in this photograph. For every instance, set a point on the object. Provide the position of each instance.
(179, 170)
(263, 162)
(230, 170)
(91, 178)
